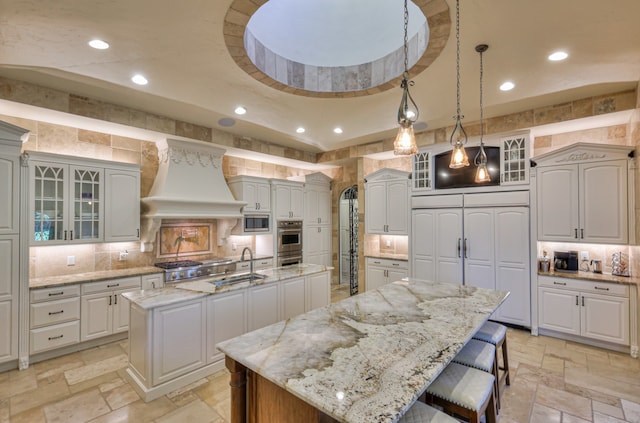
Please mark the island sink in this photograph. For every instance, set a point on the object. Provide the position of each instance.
(237, 278)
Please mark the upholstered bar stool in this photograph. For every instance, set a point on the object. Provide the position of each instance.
(422, 413)
(482, 356)
(496, 334)
(464, 391)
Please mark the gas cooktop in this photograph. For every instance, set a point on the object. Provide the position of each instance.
(183, 270)
(176, 264)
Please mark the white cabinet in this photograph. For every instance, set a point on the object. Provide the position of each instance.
(226, 319)
(174, 328)
(152, 281)
(54, 318)
(387, 202)
(9, 276)
(256, 192)
(103, 309)
(9, 193)
(67, 197)
(584, 199)
(383, 271)
(263, 303)
(293, 297)
(122, 205)
(599, 311)
(288, 199)
(317, 221)
(486, 247)
(258, 264)
(318, 290)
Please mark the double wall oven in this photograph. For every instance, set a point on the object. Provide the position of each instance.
(289, 233)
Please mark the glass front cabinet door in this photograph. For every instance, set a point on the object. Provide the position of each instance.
(514, 162)
(67, 203)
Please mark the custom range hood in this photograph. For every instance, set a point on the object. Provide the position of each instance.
(189, 186)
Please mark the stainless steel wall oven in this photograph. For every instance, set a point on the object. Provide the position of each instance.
(289, 242)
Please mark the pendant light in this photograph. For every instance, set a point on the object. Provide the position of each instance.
(482, 173)
(405, 142)
(459, 135)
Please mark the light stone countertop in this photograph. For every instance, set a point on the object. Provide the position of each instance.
(52, 281)
(367, 358)
(404, 257)
(185, 291)
(594, 277)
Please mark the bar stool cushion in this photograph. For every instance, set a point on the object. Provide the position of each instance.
(463, 386)
(477, 354)
(491, 332)
(422, 413)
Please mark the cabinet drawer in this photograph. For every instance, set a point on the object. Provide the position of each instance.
(584, 285)
(393, 264)
(57, 293)
(56, 336)
(111, 285)
(607, 288)
(52, 312)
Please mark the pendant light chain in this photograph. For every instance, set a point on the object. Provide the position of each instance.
(458, 56)
(481, 108)
(406, 40)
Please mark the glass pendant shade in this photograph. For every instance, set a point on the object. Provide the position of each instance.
(405, 142)
(459, 156)
(482, 173)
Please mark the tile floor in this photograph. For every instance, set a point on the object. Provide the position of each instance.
(552, 381)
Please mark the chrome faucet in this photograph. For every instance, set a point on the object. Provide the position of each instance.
(250, 263)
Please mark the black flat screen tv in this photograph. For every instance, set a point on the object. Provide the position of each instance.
(447, 178)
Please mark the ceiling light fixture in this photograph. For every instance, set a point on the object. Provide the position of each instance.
(405, 142)
(337, 130)
(99, 44)
(240, 110)
(482, 173)
(459, 135)
(507, 86)
(557, 56)
(300, 130)
(139, 79)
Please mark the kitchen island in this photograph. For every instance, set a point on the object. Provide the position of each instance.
(173, 330)
(362, 360)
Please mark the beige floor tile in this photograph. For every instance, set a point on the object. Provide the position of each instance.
(517, 401)
(547, 341)
(603, 418)
(4, 411)
(34, 415)
(112, 384)
(564, 401)
(94, 355)
(607, 409)
(540, 376)
(139, 412)
(631, 411)
(605, 385)
(79, 408)
(16, 383)
(623, 361)
(587, 349)
(96, 369)
(594, 395)
(45, 394)
(542, 414)
(196, 411)
(568, 418)
(49, 368)
(94, 383)
(574, 356)
(553, 364)
(121, 396)
(533, 359)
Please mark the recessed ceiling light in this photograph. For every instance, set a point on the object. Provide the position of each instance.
(558, 55)
(99, 44)
(139, 79)
(227, 122)
(300, 130)
(337, 130)
(507, 86)
(240, 110)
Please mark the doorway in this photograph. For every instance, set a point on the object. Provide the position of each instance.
(348, 233)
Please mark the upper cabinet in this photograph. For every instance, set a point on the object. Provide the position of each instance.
(317, 199)
(255, 191)
(387, 202)
(68, 203)
(288, 199)
(507, 160)
(583, 194)
(9, 193)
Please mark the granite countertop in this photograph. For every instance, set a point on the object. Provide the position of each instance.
(185, 291)
(367, 358)
(389, 256)
(596, 277)
(51, 281)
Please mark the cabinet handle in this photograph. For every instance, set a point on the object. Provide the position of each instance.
(153, 285)
(138, 232)
(464, 247)
(601, 289)
(575, 231)
(319, 230)
(115, 299)
(113, 285)
(70, 235)
(581, 233)
(577, 300)
(376, 262)
(65, 235)
(386, 273)
(51, 338)
(560, 283)
(53, 294)
(109, 299)
(395, 264)
(582, 301)
(51, 313)
(459, 247)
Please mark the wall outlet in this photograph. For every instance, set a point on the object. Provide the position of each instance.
(388, 243)
(234, 246)
(123, 255)
(584, 255)
(71, 260)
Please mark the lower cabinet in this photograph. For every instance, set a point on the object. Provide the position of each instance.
(293, 297)
(103, 309)
(263, 302)
(226, 319)
(54, 318)
(318, 290)
(152, 281)
(383, 271)
(593, 310)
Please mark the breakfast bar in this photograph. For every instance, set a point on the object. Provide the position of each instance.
(364, 359)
